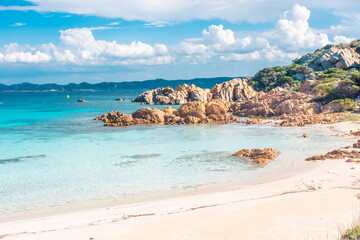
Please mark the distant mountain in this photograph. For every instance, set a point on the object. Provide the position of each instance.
(148, 84)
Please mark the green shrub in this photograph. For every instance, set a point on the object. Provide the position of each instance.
(296, 88)
(352, 234)
(325, 88)
(346, 101)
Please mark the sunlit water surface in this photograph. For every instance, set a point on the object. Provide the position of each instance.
(53, 155)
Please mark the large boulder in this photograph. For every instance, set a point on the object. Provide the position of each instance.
(149, 115)
(234, 90)
(194, 109)
(254, 108)
(150, 96)
(295, 106)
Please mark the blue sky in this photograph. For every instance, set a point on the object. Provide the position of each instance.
(116, 40)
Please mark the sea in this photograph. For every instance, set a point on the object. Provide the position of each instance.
(55, 156)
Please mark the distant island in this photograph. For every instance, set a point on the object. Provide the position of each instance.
(84, 86)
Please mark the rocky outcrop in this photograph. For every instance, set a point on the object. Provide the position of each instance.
(260, 156)
(276, 102)
(81, 100)
(339, 106)
(189, 113)
(235, 90)
(331, 56)
(252, 108)
(168, 96)
(336, 154)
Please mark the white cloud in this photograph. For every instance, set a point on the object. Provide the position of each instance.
(113, 23)
(79, 46)
(294, 32)
(26, 57)
(158, 24)
(291, 37)
(342, 39)
(217, 35)
(186, 10)
(18, 24)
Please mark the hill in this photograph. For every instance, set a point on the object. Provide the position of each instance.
(148, 84)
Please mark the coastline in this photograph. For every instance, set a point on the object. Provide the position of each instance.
(333, 178)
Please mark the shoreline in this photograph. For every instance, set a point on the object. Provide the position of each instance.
(320, 178)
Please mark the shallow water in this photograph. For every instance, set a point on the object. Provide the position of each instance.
(53, 155)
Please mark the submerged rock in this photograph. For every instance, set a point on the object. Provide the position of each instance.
(260, 156)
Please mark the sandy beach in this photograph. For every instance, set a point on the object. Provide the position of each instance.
(314, 202)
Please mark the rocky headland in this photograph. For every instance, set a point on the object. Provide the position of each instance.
(318, 88)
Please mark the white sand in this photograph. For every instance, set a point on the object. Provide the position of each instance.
(311, 204)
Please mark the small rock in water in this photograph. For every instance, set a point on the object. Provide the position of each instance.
(124, 99)
(118, 99)
(144, 103)
(253, 121)
(304, 135)
(260, 156)
(356, 145)
(81, 100)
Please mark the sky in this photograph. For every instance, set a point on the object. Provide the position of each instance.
(63, 41)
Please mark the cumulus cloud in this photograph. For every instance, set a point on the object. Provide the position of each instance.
(80, 46)
(342, 39)
(25, 57)
(294, 32)
(291, 36)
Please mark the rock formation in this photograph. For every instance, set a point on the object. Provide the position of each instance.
(82, 100)
(275, 103)
(331, 56)
(168, 96)
(189, 113)
(234, 90)
(260, 156)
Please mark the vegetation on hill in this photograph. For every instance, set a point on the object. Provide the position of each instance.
(269, 78)
(326, 85)
(148, 84)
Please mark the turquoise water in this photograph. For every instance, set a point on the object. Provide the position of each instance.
(53, 155)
